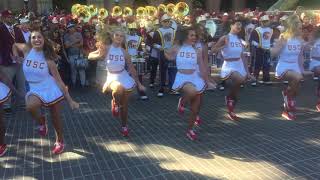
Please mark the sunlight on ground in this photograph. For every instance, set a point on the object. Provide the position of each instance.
(213, 165)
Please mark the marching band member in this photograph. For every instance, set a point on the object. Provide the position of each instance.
(45, 85)
(234, 66)
(290, 64)
(188, 80)
(262, 39)
(134, 48)
(118, 80)
(315, 60)
(163, 39)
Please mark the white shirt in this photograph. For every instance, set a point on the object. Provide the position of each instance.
(26, 35)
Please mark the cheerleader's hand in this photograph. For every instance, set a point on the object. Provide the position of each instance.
(74, 105)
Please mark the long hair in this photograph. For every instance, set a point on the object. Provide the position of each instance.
(182, 34)
(47, 48)
(291, 26)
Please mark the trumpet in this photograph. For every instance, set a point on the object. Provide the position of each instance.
(141, 11)
(151, 11)
(181, 9)
(102, 13)
(170, 9)
(116, 11)
(127, 11)
(162, 9)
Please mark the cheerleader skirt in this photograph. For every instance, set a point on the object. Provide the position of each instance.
(283, 67)
(5, 92)
(125, 80)
(313, 64)
(228, 67)
(194, 79)
(47, 91)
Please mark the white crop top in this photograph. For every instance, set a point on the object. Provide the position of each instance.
(35, 67)
(234, 48)
(187, 57)
(315, 51)
(115, 59)
(291, 51)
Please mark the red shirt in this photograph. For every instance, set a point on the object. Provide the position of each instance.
(89, 45)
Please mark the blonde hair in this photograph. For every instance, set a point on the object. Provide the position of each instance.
(291, 26)
(105, 35)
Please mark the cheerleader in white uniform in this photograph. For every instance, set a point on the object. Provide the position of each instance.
(315, 60)
(188, 80)
(290, 65)
(5, 92)
(235, 66)
(45, 84)
(119, 81)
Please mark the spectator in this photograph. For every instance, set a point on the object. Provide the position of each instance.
(89, 45)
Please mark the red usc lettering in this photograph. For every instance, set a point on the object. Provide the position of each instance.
(35, 64)
(187, 54)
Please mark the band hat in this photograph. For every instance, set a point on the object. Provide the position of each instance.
(165, 17)
(70, 26)
(225, 14)
(283, 18)
(264, 18)
(6, 13)
(201, 18)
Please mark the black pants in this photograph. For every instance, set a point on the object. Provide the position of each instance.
(262, 62)
(154, 62)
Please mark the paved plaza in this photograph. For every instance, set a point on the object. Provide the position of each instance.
(260, 146)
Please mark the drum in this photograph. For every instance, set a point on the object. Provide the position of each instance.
(140, 65)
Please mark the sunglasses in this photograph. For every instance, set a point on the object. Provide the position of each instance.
(166, 21)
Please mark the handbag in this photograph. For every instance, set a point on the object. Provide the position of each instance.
(81, 62)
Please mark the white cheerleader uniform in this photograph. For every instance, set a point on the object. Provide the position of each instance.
(289, 57)
(187, 59)
(232, 50)
(41, 83)
(5, 92)
(315, 53)
(115, 65)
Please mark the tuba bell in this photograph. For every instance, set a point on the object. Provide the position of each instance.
(127, 11)
(102, 13)
(93, 10)
(116, 11)
(141, 11)
(83, 13)
(162, 9)
(170, 9)
(151, 11)
(181, 9)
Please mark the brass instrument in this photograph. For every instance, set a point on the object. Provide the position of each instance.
(181, 9)
(83, 13)
(93, 10)
(75, 8)
(151, 11)
(162, 9)
(127, 11)
(102, 13)
(141, 11)
(116, 11)
(170, 9)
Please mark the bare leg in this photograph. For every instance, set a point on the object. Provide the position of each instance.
(56, 120)
(33, 106)
(124, 108)
(195, 106)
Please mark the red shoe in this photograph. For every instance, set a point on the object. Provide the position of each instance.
(180, 107)
(58, 148)
(290, 104)
(318, 106)
(288, 115)
(3, 149)
(191, 135)
(232, 116)
(114, 108)
(125, 131)
(230, 104)
(198, 121)
(43, 130)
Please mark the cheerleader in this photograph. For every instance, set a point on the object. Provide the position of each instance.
(118, 80)
(45, 85)
(315, 60)
(5, 93)
(234, 67)
(188, 80)
(290, 64)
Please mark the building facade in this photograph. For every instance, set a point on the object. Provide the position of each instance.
(44, 6)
